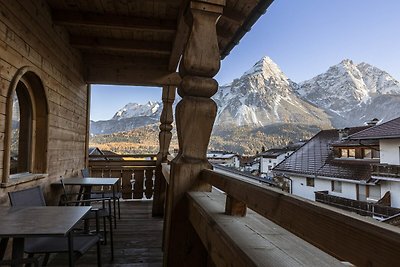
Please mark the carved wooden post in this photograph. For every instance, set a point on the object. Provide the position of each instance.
(165, 136)
(195, 115)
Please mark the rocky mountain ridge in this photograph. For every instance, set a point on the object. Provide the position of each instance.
(347, 94)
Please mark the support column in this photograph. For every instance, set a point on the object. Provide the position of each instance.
(165, 136)
(195, 115)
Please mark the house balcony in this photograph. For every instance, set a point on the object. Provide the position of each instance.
(360, 207)
(385, 170)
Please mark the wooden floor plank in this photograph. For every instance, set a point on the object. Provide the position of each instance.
(137, 240)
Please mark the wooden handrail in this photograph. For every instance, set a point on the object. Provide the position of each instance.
(361, 241)
(124, 156)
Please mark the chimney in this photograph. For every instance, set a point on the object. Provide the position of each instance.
(372, 122)
(343, 133)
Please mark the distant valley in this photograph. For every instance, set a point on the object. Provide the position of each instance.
(265, 108)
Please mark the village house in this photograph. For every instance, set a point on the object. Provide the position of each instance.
(385, 168)
(224, 158)
(333, 167)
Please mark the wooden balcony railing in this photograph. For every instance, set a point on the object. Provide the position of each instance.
(237, 241)
(360, 207)
(385, 170)
(137, 173)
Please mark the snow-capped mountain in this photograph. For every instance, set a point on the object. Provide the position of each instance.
(351, 93)
(132, 110)
(263, 96)
(347, 94)
(129, 117)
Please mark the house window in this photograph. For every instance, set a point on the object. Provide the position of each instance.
(27, 127)
(367, 153)
(310, 182)
(21, 131)
(375, 154)
(337, 186)
(348, 152)
(375, 192)
(362, 193)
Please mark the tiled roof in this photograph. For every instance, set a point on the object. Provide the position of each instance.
(316, 158)
(387, 130)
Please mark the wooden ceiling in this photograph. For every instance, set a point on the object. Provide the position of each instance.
(140, 41)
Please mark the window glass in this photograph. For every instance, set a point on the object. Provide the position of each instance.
(14, 135)
(375, 154)
(352, 153)
(310, 182)
(367, 153)
(20, 152)
(375, 192)
(337, 186)
(344, 153)
(362, 192)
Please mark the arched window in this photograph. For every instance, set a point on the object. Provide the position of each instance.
(27, 127)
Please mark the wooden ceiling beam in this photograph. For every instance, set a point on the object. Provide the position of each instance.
(138, 70)
(109, 21)
(120, 45)
(233, 16)
(182, 34)
(123, 75)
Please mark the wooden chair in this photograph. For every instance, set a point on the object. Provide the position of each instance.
(46, 245)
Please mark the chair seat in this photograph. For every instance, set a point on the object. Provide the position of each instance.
(81, 244)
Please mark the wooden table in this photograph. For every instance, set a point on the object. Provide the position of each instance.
(87, 183)
(23, 222)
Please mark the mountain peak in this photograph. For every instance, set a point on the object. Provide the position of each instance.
(267, 67)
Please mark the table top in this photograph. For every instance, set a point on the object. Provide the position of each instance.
(39, 220)
(90, 181)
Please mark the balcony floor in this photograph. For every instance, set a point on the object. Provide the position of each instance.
(137, 240)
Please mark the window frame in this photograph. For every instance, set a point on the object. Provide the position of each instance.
(310, 182)
(38, 146)
(338, 188)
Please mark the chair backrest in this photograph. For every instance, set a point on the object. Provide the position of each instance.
(27, 197)
(85, 172)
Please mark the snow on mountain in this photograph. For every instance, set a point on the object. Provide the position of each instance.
(264, 95)
(132, 110)
(347, 91)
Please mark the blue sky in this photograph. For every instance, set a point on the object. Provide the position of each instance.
(304, 37)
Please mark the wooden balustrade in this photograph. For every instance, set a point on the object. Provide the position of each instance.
(359, 240)
(137, 173)
(360, 207)
(385, 170)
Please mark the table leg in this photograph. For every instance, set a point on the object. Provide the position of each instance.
(70, 249)
(3, 247)
(18, 251)
(115, 211)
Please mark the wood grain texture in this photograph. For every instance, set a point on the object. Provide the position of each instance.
(251, 240)
(335, 231)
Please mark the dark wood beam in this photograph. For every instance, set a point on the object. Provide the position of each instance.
(110, 70)
(181, 37)
(233, 16)
(121, 45)
(110, 21)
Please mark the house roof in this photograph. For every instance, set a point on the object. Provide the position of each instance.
(387, 130)
(316, 158)
(274, 152)
(122, 41)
